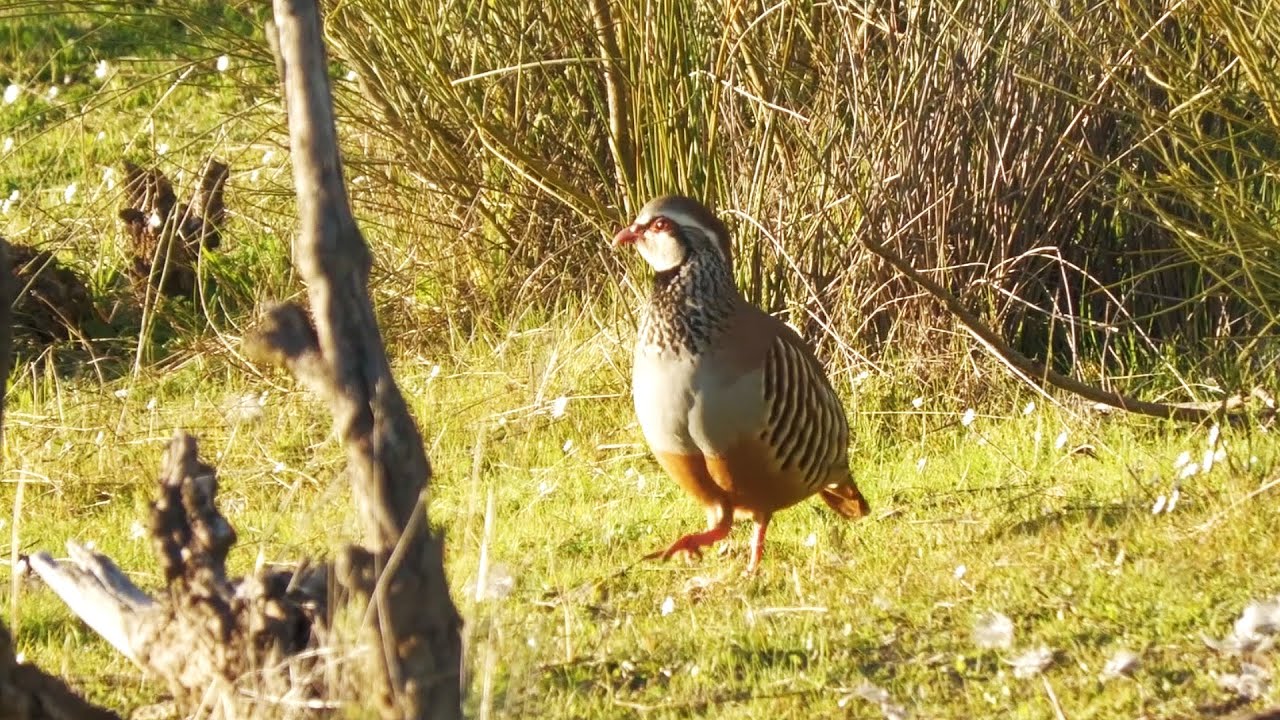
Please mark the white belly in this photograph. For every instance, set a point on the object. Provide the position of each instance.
(687, 405)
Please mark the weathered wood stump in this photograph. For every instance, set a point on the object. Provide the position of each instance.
(207, 634)
(166, 236)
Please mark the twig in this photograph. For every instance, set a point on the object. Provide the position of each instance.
(1029, 369)
(1053, 699)
(744, 92)
(1211, 522)
(618, 97)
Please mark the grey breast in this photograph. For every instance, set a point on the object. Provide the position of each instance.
(663, 392)
(689, 404)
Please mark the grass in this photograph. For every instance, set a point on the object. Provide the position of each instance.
(1040, 510)
(1072, 173)
(1064, 543)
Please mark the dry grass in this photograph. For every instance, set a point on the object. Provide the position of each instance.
(1082, 177)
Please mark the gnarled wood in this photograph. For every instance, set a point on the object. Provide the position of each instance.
(209, 634)
(413, 624)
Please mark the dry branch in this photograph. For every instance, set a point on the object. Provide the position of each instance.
(1031, 370)
(208, 634)
(413, 621)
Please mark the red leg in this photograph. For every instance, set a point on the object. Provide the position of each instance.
(757, 543)
(694, 542)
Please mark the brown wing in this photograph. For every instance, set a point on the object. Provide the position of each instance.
(802, 423)
(806, 425)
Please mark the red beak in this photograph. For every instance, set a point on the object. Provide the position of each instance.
(627, 235)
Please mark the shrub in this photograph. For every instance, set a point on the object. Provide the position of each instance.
(1093, 178)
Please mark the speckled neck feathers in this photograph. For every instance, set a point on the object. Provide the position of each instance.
(689, 306)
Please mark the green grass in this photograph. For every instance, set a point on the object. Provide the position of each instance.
(1061, 540)
(1064, 544)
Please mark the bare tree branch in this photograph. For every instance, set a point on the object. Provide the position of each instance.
(341, 356)
(334, 261)
(1033, 370)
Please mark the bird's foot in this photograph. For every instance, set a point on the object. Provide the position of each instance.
(757, 546)
(691, 544)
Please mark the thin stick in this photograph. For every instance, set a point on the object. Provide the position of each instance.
(482, 567)
(1211, 522)
(15, 577)
(1053, 699)
(1028, 368)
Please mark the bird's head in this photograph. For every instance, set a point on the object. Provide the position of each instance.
(673, 229)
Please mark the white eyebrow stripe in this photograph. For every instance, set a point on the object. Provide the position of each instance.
(709, 233)
(680, 219)
(683, 220)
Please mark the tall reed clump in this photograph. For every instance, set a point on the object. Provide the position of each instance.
(1206, 165)
(1041, 159)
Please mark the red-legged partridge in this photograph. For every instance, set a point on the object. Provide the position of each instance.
(732, 402)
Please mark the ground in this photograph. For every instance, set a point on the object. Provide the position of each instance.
(1040, 512)
(1092, 534)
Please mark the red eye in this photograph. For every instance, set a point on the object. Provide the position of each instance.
(661, 224)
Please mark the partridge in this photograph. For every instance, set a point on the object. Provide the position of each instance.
(732, 402)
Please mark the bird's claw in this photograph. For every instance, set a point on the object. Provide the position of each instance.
(690, 544)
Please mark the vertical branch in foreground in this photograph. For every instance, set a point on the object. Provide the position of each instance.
(413, 624)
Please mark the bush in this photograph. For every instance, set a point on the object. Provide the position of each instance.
(1095, 179)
